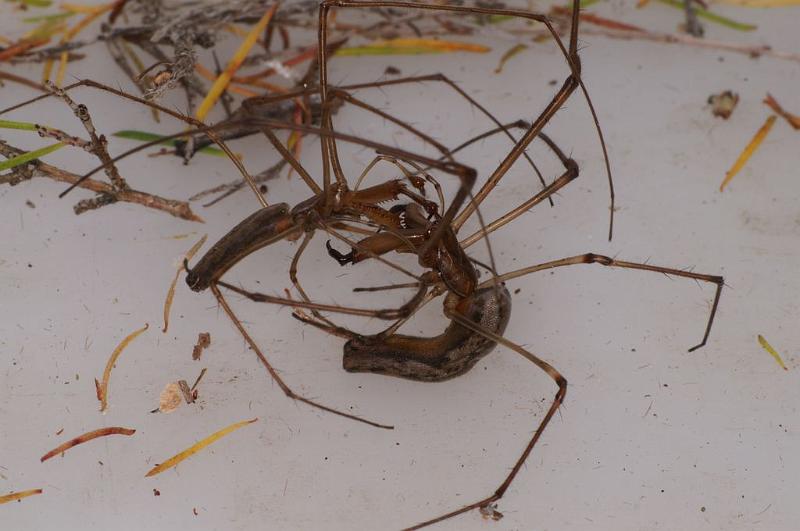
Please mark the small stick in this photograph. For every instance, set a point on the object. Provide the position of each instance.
(179, 209)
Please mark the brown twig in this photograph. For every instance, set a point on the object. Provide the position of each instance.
(179, 209)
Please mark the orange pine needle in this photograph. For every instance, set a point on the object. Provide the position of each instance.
(233, 89)
(773, 104)
(236, 61)
(14, 496)
(748, 151)
(177, 458)
(102, 388)
(92, 13)
(88, 436)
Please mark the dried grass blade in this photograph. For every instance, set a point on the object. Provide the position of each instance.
(174, 460)
(171, 291)
(774, 353)
(233, 65)
(14, 496)
(88, 436)
(102, 388)
(748, 151)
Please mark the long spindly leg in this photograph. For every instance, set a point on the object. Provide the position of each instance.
(293, 276)
(500, 127)
(558, 399)
(591, 258)
(275, 376)
(570, 174)
(572, 82)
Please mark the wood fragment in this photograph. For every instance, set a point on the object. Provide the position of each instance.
(748, 151)
(774, 353)
(185, 454)
(14, 496)
(196, 382)
(793, 119)
(186, 392)
(171, 291)
(88, 436)
(102, 387)
(203, 341)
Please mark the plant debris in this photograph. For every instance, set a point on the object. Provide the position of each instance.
(723, 104)
(185, 454)
(203, 341)
(793, 119)
(514, 50)
(88, 436)
(170, 398)
(171, 291)
(408, 46)
(748, 151)
(774, 353)
(102, 388)
(15, 496)
(236, 61)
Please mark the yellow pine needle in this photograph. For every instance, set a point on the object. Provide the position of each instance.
(748, 151)
(772, 351)
(174, 460)
(91, 15)
(171, 292)
(412, 46)
(233, 65)
(102, 388)
(80, 8)
(14, 496)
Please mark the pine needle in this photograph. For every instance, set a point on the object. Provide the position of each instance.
(14, 496)
(233, 65)
(24, 158)
(174, 460)
(748, 151)
(171, 291)
(774, 353)
(102, 387)
(403, 46)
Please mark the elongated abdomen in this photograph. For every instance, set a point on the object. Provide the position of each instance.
(258, 230)
(438, 358)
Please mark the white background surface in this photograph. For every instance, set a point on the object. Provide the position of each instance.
(649, 434)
